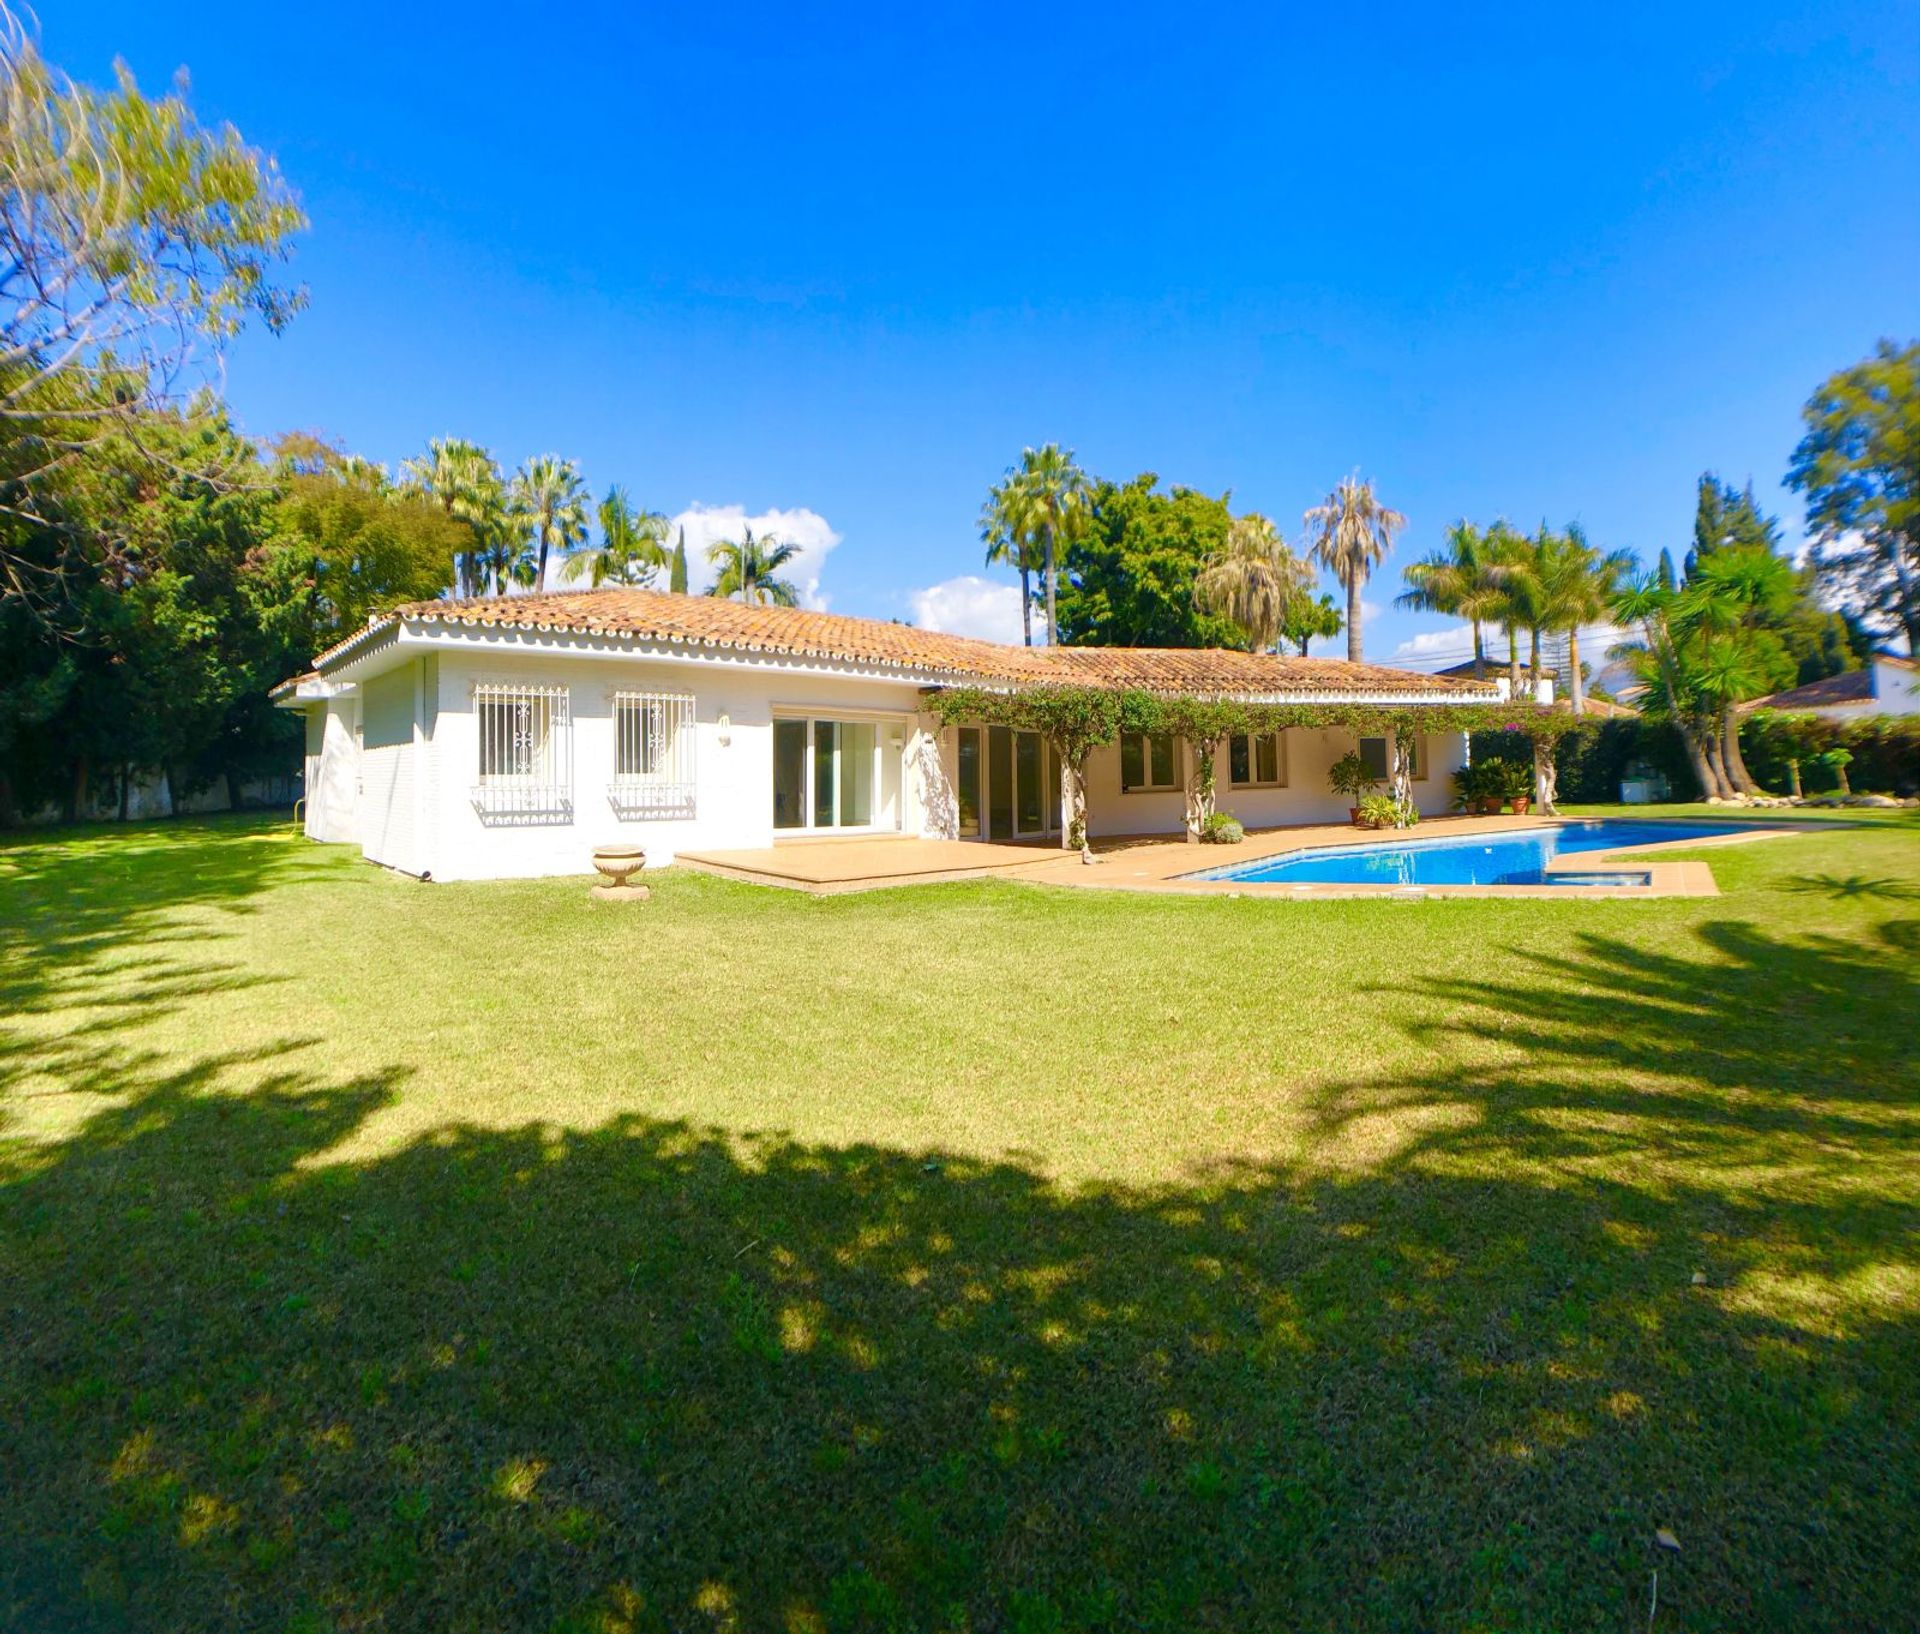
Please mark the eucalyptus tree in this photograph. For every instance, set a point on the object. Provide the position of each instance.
(749, 568)
(1253, 580)
(135, 242)
(632, 546)
(1007, 530)
(1352, 532)
(1459, 582)
(548, 492)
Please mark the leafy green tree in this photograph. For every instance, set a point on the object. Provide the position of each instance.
(677, 575)
(1129, 576)
(750, 568)
(548, 493)
(1858, 464)
(1252, 580)
(631, 549)
(134, 242)
(1352, 532)
(1309, 618)
(359, 545)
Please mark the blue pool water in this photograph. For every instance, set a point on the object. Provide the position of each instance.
(1513, 858)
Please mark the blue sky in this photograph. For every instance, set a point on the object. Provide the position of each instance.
(1540, 261)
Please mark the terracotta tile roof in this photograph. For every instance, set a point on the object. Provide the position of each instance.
(706, 621)
(1855, 686)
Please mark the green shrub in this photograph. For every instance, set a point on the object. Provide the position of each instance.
(1379, 810)
(1885, 751)
(1221, 828)
(1349, 776)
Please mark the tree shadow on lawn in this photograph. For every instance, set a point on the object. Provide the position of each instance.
(651, 1376)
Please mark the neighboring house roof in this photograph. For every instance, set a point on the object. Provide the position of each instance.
(1854, 686)
(710, 622)
(1605, 709)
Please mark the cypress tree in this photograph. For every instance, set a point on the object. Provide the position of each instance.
(677, 577)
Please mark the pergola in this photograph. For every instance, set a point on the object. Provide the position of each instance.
(1076, 720)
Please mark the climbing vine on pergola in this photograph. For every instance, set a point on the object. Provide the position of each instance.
(1076, 720)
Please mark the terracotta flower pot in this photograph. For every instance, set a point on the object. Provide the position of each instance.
(1520, 804)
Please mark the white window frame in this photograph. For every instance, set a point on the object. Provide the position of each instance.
(524, 732)
(1146, 764)
(1254, 780)
(654, 738)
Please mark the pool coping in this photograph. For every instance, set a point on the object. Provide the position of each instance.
(1664, 879)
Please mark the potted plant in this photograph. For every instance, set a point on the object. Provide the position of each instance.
(1510, 782)
(1472, 791)
(1377, 811)
(1349, 776)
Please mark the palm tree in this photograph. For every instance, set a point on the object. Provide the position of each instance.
(1580, 586)
(1252, 579)
(1352, 533)
(1723, 605)
(631, 549)
(1647, 604)
(1459, 583)
(464, 480)
(1007, 530)
(748, 569)
(548, 491)
(1055, 498)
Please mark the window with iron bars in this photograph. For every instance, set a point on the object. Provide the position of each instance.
(525, 752)
(653, 740)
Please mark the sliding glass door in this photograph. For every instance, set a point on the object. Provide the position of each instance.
(1021, 796)
(827, 775)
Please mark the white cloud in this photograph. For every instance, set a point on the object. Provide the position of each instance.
(808, 530)
(1453, 644)
(969, 605)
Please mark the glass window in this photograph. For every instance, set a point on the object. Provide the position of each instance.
(826, 738)
(1148, 761)
(969, 779)
(789, 774)
(1254, 762)
(857, 743)
(1028, 801)
(1416, 756)
(1373, 755)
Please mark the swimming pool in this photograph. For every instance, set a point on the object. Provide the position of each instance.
(1506, 858)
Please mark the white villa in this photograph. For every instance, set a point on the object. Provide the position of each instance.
(1889, 685)
(510, 736)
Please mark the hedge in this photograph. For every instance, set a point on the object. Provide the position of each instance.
(1593, 759)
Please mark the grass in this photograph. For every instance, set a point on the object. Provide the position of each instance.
(979, 1257)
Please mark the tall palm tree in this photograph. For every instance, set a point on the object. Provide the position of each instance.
(1007, 529)
(1723, 605)
(1460, 583)
(1252, 579)
(1057, 498)
(548, 491)
(632, 545)
(749, 569)
(464, 480)
(1580, 586)
(1519, 566)
(1352, 533)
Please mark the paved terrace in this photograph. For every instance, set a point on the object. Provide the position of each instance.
(1157, 863)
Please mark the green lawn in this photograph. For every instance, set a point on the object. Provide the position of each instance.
(377, 1255)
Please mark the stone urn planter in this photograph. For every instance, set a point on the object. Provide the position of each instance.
(616, 864)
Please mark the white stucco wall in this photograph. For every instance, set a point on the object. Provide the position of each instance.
(1304, 799)
(733, 805)
(332, 770)
(389, 764)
